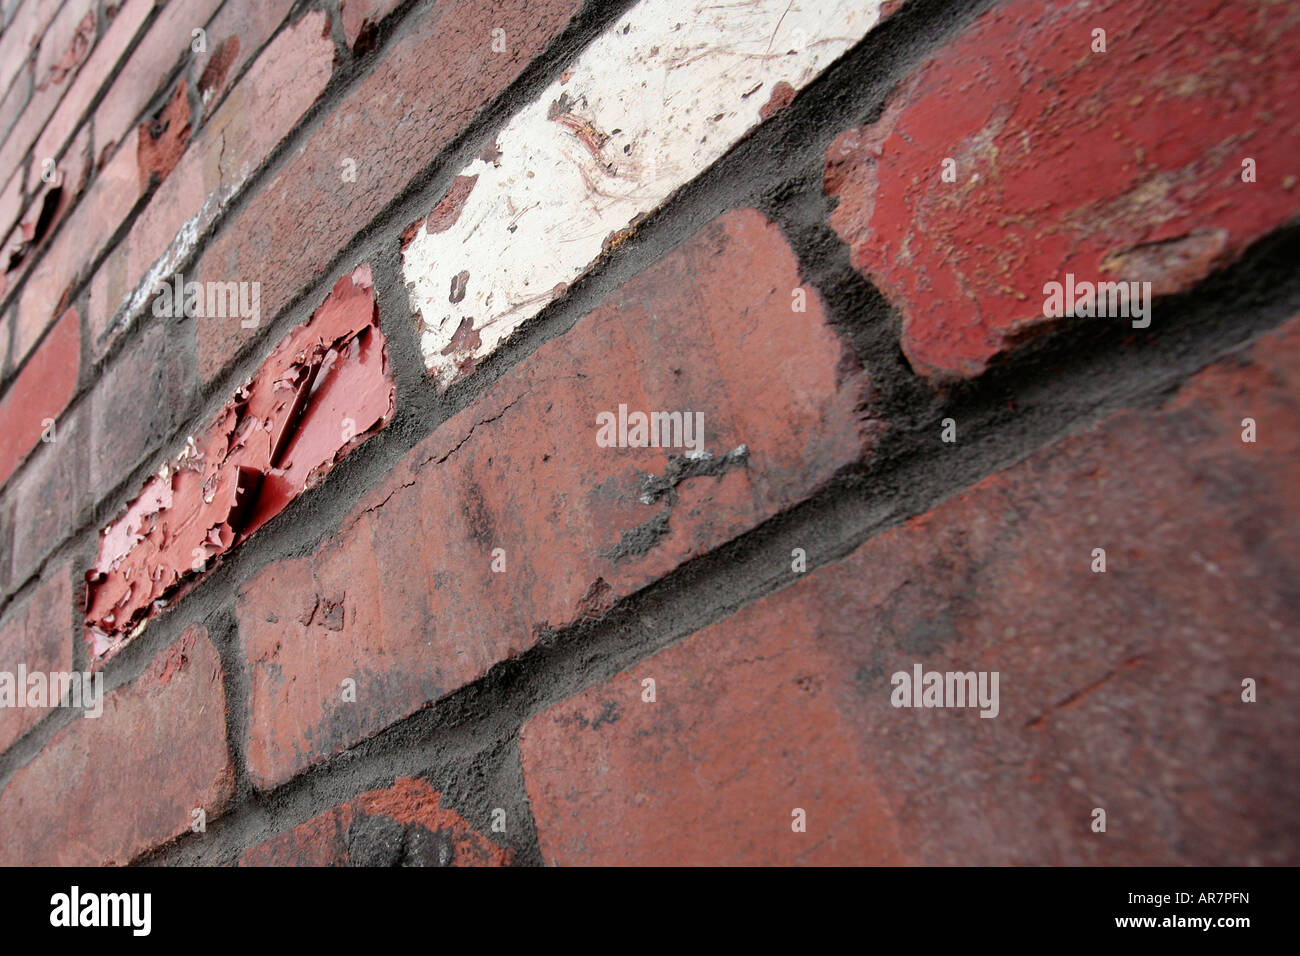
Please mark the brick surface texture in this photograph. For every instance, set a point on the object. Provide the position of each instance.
(554, 432)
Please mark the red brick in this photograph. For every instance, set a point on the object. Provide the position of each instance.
(257, 115)
(61, 51)
(323, 391)
(1124, 165)
(1118, 690)
(66, 43)
(21, 36)
(139, 404)
(391, 127)
(402, 599)
(103, 60)
(107, 789)
(360, 17)
(41, 391)
(237, 32)
(49, 494)
(400, 826)
(165, 44)
(83, 237)
(50, 200)
(15, 100)
(38, 635)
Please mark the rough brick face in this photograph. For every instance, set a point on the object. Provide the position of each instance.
(400, 826)
(129, 779)
(49, 493)
(581, 525)
(1109, 682)
(1117, 166)
(518, 432)
(35, 636)
(40, 392)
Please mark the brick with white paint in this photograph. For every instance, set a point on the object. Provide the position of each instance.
(649, 105)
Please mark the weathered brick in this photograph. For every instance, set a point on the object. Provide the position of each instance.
(107, 202)
(37, 635)
(1120, 690)
(41, 391)
(139, 404)
(323, 391)
(11, 207)
(55, 187)
(166, 43)
(258, 114)
(129, 780)
(66, 42)
(121, 30)
(21, 37)
(1116, 166)
(49, 494)
(390, 127)
(400, 826)
(61, 51)
(361, 17)
(645, 108)
(402, 599)
(15, 100)
(237, 32)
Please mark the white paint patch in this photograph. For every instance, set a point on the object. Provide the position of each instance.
(646, 107)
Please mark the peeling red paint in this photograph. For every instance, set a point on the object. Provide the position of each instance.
(782, 96)
(1124, 165)
(447, 211)
(162, 140)
(323, 390)
(77, 50)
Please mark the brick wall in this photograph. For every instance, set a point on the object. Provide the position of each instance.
(332, 329)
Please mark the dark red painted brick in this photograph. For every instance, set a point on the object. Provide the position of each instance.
(391, 126)
(1116, 166)
(1119, 690)
(400, 826)
(36, 634)
(402, 598)
(323, 391)
(105, 790)
(41, 391)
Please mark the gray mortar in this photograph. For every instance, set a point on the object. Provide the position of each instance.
(466, 744)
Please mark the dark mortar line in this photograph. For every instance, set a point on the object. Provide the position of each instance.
(856, 507)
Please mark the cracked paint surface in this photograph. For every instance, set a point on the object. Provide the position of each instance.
(645, 108)
(323, 391)
(1118, 166)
